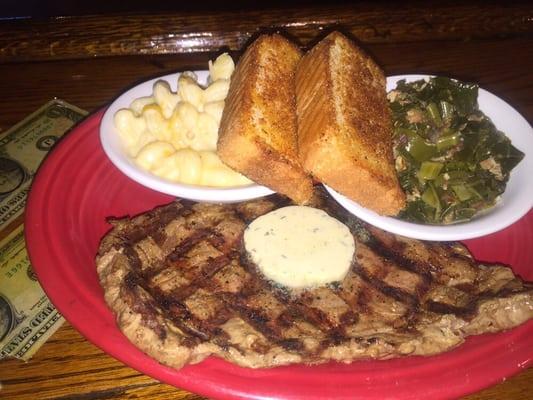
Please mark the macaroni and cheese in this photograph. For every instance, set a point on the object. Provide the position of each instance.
(174, 135)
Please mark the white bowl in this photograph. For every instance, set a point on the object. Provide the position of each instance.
(114, 149)
(515, 202)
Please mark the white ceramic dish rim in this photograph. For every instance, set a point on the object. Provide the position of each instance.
(514, 204)
(114, 150)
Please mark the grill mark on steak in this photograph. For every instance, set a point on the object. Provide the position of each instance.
(202, 279)
(296, 310)
(394, 251)
(394, 254)
(442, 308)
(253, 316)
(132, 280)
(391, 291)
(154, 221)
(172, 304)
(133, 257)
(271, 329)
(157, 230)
(215, 281)
(180, 316)
(148, 310)
(187, 244)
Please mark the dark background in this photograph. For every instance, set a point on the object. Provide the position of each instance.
(11, 9)
(14, 9)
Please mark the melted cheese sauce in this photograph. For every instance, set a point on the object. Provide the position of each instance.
(299, 246)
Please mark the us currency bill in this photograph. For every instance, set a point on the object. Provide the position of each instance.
(27, 317)
(23, 147)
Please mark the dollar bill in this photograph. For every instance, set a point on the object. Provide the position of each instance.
(23, 147)
(27, 317)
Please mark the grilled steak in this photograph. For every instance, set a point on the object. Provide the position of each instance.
(182, 288)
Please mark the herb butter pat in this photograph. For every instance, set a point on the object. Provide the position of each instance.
(299, 246)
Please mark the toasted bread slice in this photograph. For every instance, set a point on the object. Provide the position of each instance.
(257, 134)
(344, 124)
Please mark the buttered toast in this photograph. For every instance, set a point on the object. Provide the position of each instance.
(344, 124)
(257, 134)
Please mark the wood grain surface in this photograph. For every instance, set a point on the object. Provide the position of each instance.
(501, 66)
(170, 33)
(495, 51)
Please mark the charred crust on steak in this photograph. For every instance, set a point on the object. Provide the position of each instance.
(183, 288)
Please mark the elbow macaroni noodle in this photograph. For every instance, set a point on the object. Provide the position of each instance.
(174, 135)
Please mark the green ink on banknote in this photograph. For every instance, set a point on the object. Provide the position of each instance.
(27, 317)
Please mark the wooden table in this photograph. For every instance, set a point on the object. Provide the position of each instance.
(89, 60)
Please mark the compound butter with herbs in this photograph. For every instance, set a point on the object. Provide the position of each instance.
(300, 246)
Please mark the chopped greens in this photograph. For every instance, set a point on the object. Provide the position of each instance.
(451, 160)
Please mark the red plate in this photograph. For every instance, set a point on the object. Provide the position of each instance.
(77, 188)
